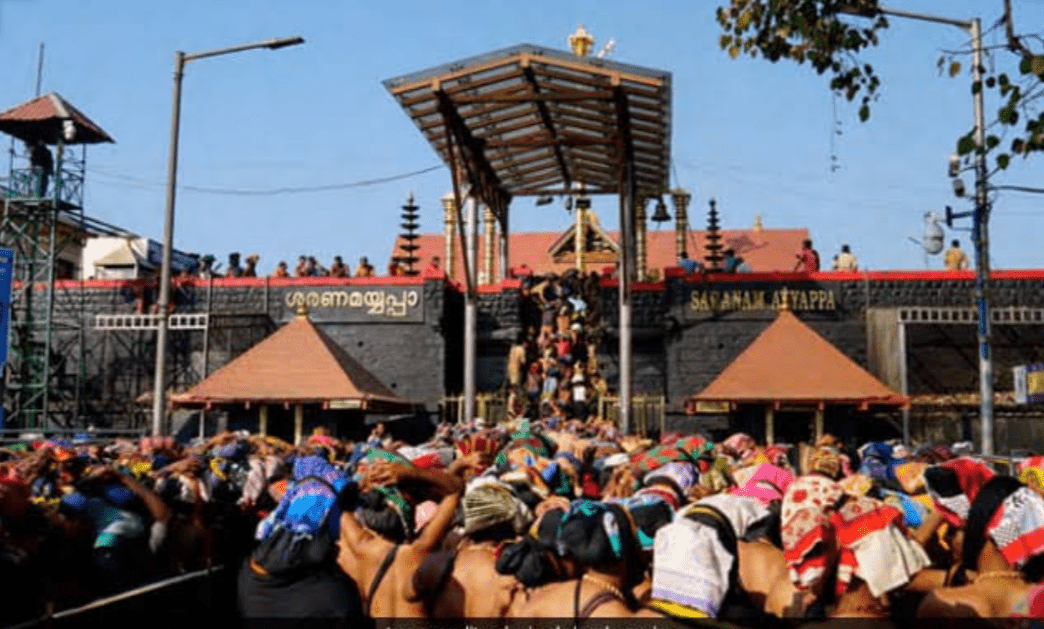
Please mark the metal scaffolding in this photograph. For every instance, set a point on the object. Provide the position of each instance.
(43, 222)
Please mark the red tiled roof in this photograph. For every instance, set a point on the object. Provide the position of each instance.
(43, 118)
(790, 362)
(296, 364)
(765, 250)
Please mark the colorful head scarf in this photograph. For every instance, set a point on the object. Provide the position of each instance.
(1031, 471)
(739, 445)
(767, 484)
(825, 460)
(592, 532)
(649, 511)
(954, 485)
(680, 476)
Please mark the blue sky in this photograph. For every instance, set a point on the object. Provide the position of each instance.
(756, 136)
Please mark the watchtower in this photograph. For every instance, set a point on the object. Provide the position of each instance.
(43, 222)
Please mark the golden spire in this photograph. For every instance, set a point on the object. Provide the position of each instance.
(757, 222)
(302, 310)
(581, 42)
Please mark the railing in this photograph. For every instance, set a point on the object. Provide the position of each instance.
(78, 435)
(647, 412)
(492, 407)
(118, 605)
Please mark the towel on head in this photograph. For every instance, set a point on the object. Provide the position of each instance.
(691, 570)
(766, 484)
(488, 505)
(874, 547)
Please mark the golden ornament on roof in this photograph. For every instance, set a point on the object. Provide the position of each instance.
(581, 41)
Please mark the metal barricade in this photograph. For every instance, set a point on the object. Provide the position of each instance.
(492, 407)
(647, 412)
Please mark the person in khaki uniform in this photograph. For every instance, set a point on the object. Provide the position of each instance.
(956, 260)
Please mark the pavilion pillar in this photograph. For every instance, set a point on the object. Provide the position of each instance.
(681, 226)
(471, 310)
(505, 267)
(487, 247)
(770, 425)
(450, 212)
(298, 424)
(639, 237)
(262, 420)
(819, 422)
(580, 235)
(627, 240)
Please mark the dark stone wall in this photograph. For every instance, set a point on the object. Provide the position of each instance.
(411, 343)
(680, 342)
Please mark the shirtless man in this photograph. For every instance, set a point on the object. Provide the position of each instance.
(385, 567)
(765, 577)
(1000, 587)
(474, 588)
(605, 588)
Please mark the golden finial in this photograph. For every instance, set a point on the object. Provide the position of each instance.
(581, 42)
(757, 222)
(784, 299)
(302, 310)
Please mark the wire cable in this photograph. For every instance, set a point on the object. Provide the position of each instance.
(135, 182)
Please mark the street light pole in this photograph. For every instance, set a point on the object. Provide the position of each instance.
(980, 233)
(180, 59)
(981, 216)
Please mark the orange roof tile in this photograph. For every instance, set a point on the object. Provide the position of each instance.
(790, 362)
(298, 363)
(765, 250)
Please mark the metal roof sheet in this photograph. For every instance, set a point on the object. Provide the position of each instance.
(538, 120)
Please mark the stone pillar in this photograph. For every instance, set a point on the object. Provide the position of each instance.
(262, 421)
(639, 237)
(487, 248)
(449, 211)
(681, 198)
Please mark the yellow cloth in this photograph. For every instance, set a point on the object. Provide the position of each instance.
(677, 610)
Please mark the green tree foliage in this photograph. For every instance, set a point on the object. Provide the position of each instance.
(830, 35)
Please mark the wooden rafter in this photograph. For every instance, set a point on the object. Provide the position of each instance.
(481, 174)
(549, 123)
(511, 97)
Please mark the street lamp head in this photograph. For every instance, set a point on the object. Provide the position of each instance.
(861, 8)
(276, 44)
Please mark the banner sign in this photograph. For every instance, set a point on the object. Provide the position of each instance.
(1035, 383)
(370, 304)
(1018, 377)
(754, 298)
(6, 273)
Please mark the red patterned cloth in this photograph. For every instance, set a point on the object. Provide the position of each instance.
(874, 547)
(1018, 527)
(954, 502)
(804, 524)
(739, 445)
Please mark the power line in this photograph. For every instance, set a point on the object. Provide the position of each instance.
(142, 183)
